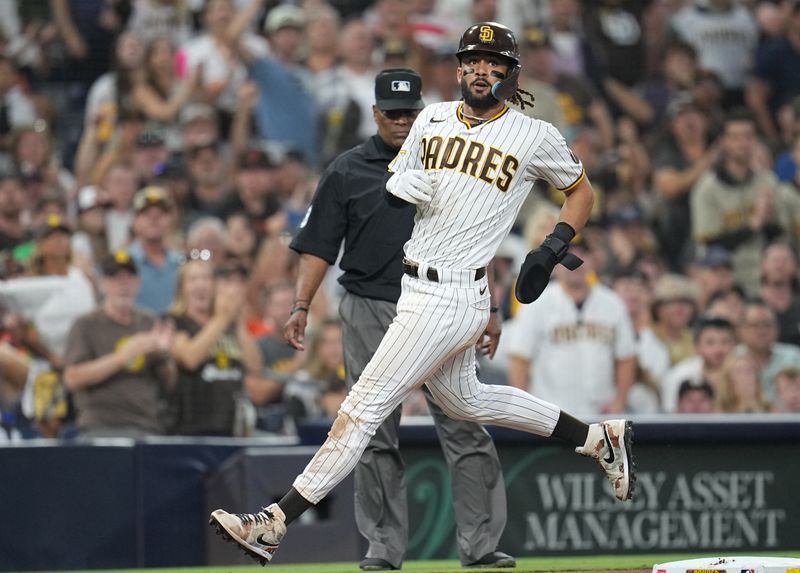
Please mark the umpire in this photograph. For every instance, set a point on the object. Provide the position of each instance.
(350, 205)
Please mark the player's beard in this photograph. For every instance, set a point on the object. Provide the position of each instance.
(474, 101)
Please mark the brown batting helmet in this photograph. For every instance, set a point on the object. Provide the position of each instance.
(489, 37)
(497, 39)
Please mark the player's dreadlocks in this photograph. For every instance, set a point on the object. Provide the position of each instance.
(519, 98)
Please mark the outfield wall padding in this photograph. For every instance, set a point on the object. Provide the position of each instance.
(713, 484)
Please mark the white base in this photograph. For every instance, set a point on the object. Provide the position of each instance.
(731, 565)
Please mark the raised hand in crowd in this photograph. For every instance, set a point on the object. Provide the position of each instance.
(248, 95)
(73, 41)
(163, 333)
(229, 300)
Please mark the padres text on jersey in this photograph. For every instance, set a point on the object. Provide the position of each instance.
(481, 176)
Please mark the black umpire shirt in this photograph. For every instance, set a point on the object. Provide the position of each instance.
(350, 204)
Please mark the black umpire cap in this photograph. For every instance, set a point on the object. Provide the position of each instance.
(398, 88)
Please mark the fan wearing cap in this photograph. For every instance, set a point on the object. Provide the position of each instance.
(149, 151)
(117, 359)
(712, 269)
(89, 243)
(673, 309)
(52, 253)
(349, 206)
(256, 181)
(629, 238)
(198, 122)
(209, 173)
(157, 263)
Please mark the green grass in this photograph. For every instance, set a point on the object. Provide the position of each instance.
(596, 563)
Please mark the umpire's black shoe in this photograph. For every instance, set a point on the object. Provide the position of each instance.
(494, 560)
(376, 564)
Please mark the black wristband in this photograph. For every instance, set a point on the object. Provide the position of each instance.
(494, 308)
(564, 231)
(298, 309)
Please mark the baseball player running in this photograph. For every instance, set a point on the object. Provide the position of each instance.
(467, 166)
(349, 207)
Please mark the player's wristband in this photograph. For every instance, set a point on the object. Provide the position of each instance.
(298, 309)
(494, 308)
(564, 231)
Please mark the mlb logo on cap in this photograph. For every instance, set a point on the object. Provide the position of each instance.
(398, 88)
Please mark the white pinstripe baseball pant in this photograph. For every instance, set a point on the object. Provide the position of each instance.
(431, 340)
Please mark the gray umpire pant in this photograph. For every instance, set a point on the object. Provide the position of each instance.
(479, 495)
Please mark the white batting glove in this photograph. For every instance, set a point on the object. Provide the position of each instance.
(412, 186)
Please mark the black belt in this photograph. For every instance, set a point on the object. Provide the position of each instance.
(412, 269)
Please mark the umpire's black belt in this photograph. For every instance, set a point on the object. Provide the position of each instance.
(412, 269)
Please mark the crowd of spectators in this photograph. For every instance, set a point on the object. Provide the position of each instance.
(156, 157)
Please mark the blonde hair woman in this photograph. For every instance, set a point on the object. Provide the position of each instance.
(218, 362)
(739, 388)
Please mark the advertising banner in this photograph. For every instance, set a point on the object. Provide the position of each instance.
(721, 498)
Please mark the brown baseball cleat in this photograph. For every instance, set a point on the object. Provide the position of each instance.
(257, 534)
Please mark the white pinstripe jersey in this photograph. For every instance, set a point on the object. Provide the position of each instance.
(573, 350)
(481, 177)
